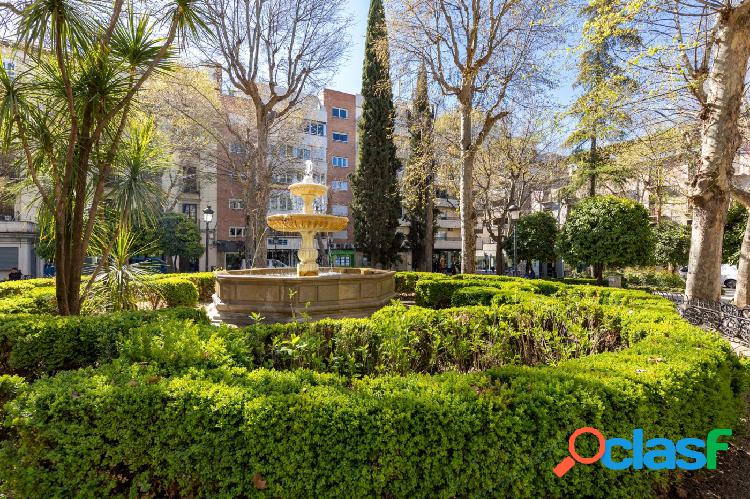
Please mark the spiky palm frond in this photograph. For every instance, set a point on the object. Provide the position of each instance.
(136, 43)
(135, 189)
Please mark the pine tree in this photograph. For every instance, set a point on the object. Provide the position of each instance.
(376, 204)
(605, 85)
(417, 182)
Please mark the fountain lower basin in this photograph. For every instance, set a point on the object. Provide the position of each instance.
(281, 296)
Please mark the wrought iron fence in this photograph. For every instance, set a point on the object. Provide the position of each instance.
(725, 318)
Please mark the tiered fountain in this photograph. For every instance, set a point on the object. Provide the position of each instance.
(284, 295)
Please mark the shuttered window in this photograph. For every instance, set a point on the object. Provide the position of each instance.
(8, 258)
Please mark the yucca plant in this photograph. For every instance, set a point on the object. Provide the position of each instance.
(67, 116)
(121, 285)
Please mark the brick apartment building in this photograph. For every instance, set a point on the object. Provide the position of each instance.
(342, 112)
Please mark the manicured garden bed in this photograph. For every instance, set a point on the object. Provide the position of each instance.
(428, 402)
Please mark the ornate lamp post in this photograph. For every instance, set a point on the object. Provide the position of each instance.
(513, 213)
(208, 216)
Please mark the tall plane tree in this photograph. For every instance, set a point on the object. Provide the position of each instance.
(696, 56)
(275, 52)
(65, 116)
(376, 206)
(476, 51)
(419, 175)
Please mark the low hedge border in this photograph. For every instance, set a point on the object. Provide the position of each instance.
(32, 345)
(129, 430)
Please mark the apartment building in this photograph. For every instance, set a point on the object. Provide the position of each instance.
(342, 112)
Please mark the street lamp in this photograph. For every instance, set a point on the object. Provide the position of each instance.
(208, 216)
(513, 214)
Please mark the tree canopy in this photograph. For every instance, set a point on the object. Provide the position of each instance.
(536, 234)
(607, 230)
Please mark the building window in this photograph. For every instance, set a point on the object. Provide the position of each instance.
(278, 242)
(190, 180)
(342, 261)
(236, 148)
(340, 185)
(9, 258)
(319, 178)
(280, 202)
(236, 232)
(191, 211)
(340, 162)
(10, 69)
(340, 210)
(340, 137)
(299, 152)
(315, 128)
(236, 204)
(285, 178)
(339, 112)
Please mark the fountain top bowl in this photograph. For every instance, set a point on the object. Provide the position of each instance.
(304, 188)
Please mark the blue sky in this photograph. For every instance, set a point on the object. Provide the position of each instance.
(349, 77)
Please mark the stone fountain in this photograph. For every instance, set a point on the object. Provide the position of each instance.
(281, 295)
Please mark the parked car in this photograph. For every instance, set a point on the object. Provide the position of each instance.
(728, 275)
(275, 264)
(154, 264)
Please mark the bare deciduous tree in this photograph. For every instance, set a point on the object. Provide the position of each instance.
(274, 52)
(476, 52)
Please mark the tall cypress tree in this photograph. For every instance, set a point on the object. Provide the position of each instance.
(417, 182)
(376, 206)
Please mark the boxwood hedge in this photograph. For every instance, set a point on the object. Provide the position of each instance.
(129, 429)
(412, 402)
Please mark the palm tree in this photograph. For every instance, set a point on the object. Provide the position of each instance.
(67, 115)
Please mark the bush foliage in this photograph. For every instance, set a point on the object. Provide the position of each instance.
(471, 401)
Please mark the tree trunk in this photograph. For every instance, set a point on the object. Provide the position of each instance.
(742, 294)
(599, 273)
(262, 181)
(499, 257)
(719, 143)
(429, 229)
(592, 167)
(466, 202)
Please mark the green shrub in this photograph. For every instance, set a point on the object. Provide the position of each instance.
(33, 300)
(473, 295)
(406, 282)
(176, 344)
(579, 281)
(204, 281)
(173, 292)
(128, 430)
(33, 345)
(10, 288)
(653, 279)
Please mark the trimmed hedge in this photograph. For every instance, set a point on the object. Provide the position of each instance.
(205, 282)
(406, 282)
(473, 295)
(172, 292)
(129, 430)
(653, 279)
(29, 300)
(32, 345)
(438, 293)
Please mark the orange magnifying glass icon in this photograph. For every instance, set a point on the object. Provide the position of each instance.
(566, 464)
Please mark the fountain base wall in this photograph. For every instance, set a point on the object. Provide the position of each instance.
(279, 296)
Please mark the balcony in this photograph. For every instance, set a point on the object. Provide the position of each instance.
(10, 226)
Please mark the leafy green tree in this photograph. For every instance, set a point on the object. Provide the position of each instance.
(66, 114)
(376, 205)
(734, 231)
(672, 244)
(179, 236)
(605, 86)
(607, 230)
(536, 234)
(417, 182)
